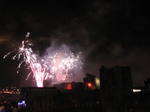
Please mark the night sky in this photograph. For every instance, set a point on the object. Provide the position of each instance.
(107, 32)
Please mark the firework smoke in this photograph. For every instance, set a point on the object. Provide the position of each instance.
(57, 66)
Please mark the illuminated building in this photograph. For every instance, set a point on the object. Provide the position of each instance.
(91, 82)
(116, 84)
(11, 90)
(10, 94)
(69, 86)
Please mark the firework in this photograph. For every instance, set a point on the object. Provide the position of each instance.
(57, 66)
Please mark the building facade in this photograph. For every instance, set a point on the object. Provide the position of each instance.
(116, 85)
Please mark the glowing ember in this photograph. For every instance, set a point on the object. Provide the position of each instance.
(56, 66)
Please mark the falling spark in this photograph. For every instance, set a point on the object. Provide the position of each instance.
(56, 66)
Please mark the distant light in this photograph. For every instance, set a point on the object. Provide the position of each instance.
(97, 81)
(69, 86)
(136, 90)
(89, 84)
(22, 103)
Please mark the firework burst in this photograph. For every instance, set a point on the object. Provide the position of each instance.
(58, 66)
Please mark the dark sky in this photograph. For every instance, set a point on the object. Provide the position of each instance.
(107, 33)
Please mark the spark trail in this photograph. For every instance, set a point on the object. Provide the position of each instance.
(57, 66)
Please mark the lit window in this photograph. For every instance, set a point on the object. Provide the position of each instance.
(136, 90)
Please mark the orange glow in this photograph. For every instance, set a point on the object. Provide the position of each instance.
(69, 86)
(90, 85)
